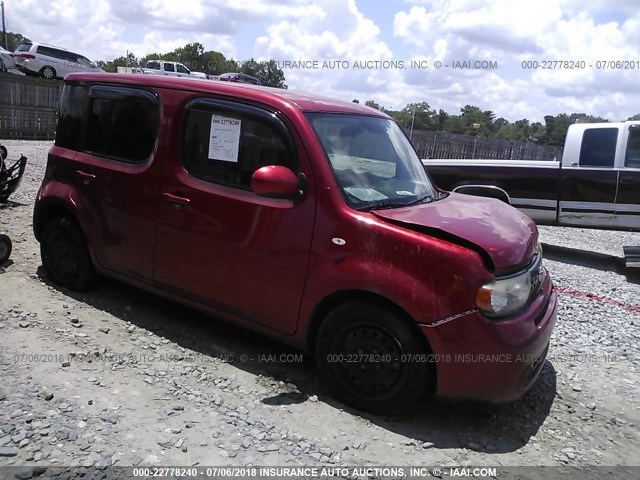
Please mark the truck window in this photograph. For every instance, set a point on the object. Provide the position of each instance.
(226, 146)
(182, 69)
(632, 159)
(598, 147)
(168, 67)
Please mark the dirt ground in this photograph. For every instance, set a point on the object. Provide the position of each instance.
(116, 376)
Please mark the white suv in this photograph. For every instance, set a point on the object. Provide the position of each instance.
(50, 61)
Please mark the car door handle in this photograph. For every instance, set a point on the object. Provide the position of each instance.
(176, 200)
(86, 177)
(626, 181)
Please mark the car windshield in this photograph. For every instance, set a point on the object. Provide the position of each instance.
(373, 161)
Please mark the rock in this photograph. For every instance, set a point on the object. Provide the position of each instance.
(48, 397)
(3, 396)
(109, 417)
(103, 330)
(313, 398)
(8, 451)
(428, 445)
(24, 473)
(66, 364)
(577, 388)
(164, 442)
(179, 443)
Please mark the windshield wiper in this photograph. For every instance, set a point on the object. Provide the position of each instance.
(381, 205)
(425, 199)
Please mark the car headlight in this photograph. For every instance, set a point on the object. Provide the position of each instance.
(502, 297)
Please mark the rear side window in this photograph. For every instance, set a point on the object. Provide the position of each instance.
(116, 122)
(123, 122)
(54, 52)
(632, 159)
(226, 143)
(168, 67)
(182, 69)
(25, 47)
(153, 65)
(598, 147)
(73, 104)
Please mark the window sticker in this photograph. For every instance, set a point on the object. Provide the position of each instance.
(224, 138)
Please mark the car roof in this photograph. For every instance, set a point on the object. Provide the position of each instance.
(274, 96)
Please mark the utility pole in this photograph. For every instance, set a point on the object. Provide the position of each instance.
(4, 30)
(413, 119)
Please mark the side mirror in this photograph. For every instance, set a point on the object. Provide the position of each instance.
(275, 181)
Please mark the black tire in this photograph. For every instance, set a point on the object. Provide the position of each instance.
(398, 373)
(5, 249)
(48, 72)
(3, 154)
(65, 255)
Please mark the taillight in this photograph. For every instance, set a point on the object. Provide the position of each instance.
(28, 56)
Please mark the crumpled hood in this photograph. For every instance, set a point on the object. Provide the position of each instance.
(504, 233)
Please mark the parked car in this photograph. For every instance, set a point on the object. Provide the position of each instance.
(51, 62)
(239, 77)
(174, 69)
(301, 217)
(7, 60)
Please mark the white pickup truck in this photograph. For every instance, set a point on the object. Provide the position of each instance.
(175, 69)
(596, 185)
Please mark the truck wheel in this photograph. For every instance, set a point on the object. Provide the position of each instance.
(48, 72)
(5, 248)
(65, 255)
(371, 359)
(3, 154)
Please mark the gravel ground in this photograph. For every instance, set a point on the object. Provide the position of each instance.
(120, 377)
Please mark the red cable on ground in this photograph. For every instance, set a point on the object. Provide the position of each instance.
(597, 298)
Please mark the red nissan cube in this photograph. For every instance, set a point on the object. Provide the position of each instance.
(301, 217)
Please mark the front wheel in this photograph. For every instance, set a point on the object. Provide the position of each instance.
(5, 249)
(372, 359)
(65, 255)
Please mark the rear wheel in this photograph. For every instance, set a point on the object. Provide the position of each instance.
(48, 72)
(5, 248)
(65, 255)
(372, 359)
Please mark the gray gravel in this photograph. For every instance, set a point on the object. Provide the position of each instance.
(119, 377)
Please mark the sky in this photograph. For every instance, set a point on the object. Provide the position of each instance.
(518, 58)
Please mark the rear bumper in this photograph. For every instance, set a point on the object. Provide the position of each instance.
(481, 359)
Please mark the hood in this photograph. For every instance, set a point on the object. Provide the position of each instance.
(486, 225)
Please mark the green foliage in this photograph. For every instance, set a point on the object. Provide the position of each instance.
(13, 40)
(635, 117)
(372, 104)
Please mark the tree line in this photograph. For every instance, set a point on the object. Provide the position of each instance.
(195, 58)
(474, 121)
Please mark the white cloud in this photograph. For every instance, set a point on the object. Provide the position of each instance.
(506, 31)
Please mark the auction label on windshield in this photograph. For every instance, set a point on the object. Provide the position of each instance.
(224, 138)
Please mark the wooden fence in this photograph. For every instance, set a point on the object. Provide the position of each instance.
(450, 146)
(28, 107)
